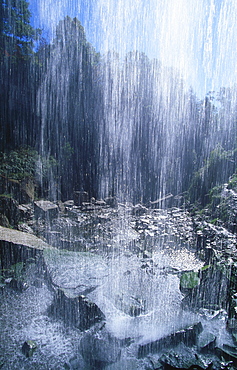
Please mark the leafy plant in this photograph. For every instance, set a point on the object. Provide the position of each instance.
(23, 163)
(18, 164)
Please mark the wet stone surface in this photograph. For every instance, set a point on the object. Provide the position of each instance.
(113, 290)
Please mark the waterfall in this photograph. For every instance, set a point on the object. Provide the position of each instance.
(130, 106)
(144, 116)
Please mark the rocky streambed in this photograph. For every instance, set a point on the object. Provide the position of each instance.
(116, 287)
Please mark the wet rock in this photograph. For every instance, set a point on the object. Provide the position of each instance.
(26, 211)
(17, 246)
(45, 210)
(228, 353)
(9, 208)
(18, 285)
(80, 197)
(4, 221)
(24, 227)
(133, 306)
(61, 206)
(100, 203)
(188, 336)
(111, 201)
(75, 273)
(69, 203)
(100, 348)
(185, 358)
(75, 363)
(232, 328)
(130, 364)
(206, 342)
(189, 280)
(212, 290)
(28, 348)
(79, 312)
(139, 210)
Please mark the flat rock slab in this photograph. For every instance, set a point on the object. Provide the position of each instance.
(21, 238)
(17, 246)
(45, 209)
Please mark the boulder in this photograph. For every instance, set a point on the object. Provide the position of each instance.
(45, 210)
(100, 348)
(111, 201)
(206, 342)
(139, 210)
(18, 285)
(29, 347)
(68, 203)
(75, 363)
(80, 197)
(228, 353)
(79, 312)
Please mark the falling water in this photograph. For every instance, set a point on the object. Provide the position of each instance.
(136, 117)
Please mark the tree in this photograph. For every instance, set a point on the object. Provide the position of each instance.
(16, 34)
(16, 74)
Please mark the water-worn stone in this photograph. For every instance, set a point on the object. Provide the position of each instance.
(28, 348)
(26, 211)
(111, 201)
(100, 348)
(206, 342)
(139, 210)
(188, 336)
(79, 312)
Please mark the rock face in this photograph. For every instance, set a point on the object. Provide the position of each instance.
(45, 210)
(210, 291)
(79, 312)
(9, 208)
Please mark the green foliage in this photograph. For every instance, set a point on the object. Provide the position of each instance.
(214, 221)
(16, 34)
(205, 185)
(67, 150)
(23, 163)
(189, 280)
(18, 164)
(17, 270)
(232, 184)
